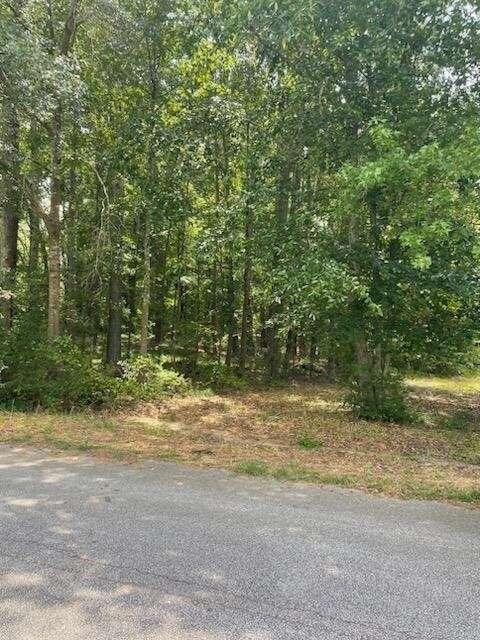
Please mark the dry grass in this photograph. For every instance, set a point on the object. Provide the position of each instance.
(299, 432)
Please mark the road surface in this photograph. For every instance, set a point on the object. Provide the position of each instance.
(103, 551)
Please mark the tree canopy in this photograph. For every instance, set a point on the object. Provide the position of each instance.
(249, 183)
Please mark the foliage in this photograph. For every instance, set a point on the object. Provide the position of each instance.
(378, 395)
(145, 378)
(52, 375)
(249, 185)
(214, 374)
(307, 441)
(57, 375)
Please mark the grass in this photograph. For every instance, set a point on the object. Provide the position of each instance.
(459, 421)
(253, 468)
(306, 441)
(297, 432)
(291, 471)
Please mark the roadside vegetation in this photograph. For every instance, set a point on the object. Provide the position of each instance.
(300, 431)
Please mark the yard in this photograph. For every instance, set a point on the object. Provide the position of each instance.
(299, 432)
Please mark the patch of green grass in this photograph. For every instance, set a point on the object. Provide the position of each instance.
(293, 471)
(339, 480)
(85, 445)
(61, 443)
(116, 453)
(307, 441)
(19, 437)
(252, 468)
(469, 450)
(455, 494)
(460, 421)
(106, 424)
(66, 444)
(170, 454)
(48, 430)
(378, 484)
(159, 431)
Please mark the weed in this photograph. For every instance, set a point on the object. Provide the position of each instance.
(252, 468)
(460, 421)
(306, 441)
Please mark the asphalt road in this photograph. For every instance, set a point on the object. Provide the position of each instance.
(94, 551)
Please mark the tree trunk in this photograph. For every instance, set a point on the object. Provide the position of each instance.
(290, 350)
(144, 321)
(11, 216)
(72, 278)
(115, 302)
(114, 331)
(159, 326)
(131, 306)
(246, 331)
(54, 282)
(281, 213)
(33, 259)
(229, 355)
(216, 329)
(10, 254)
(53, 229)
(52, 219)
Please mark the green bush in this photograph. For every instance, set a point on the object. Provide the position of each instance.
(145, 378)
(218, 376)
(51, 374)
(378, 396)
(56, 374)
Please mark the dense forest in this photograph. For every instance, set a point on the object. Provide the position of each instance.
(244, 188)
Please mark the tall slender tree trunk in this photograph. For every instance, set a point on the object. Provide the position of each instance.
(33, 258)
(281, 214)
(54, 231)
(115, 301)
(145, 307)
(11, 217)
(246, 338)
(159, 280)
(131, 305)
(114, 330)
(229, 355)
(290, 350)
(72, 277)
(153, 66)
(52, 219)
(215, 314)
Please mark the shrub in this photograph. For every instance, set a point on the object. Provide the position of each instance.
(221, 377)
(378, 396)
(52, 374)
(145, 378)
(35, 372)
(213, 374)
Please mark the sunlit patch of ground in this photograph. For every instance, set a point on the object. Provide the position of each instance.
(298, 432)
(465, 385)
